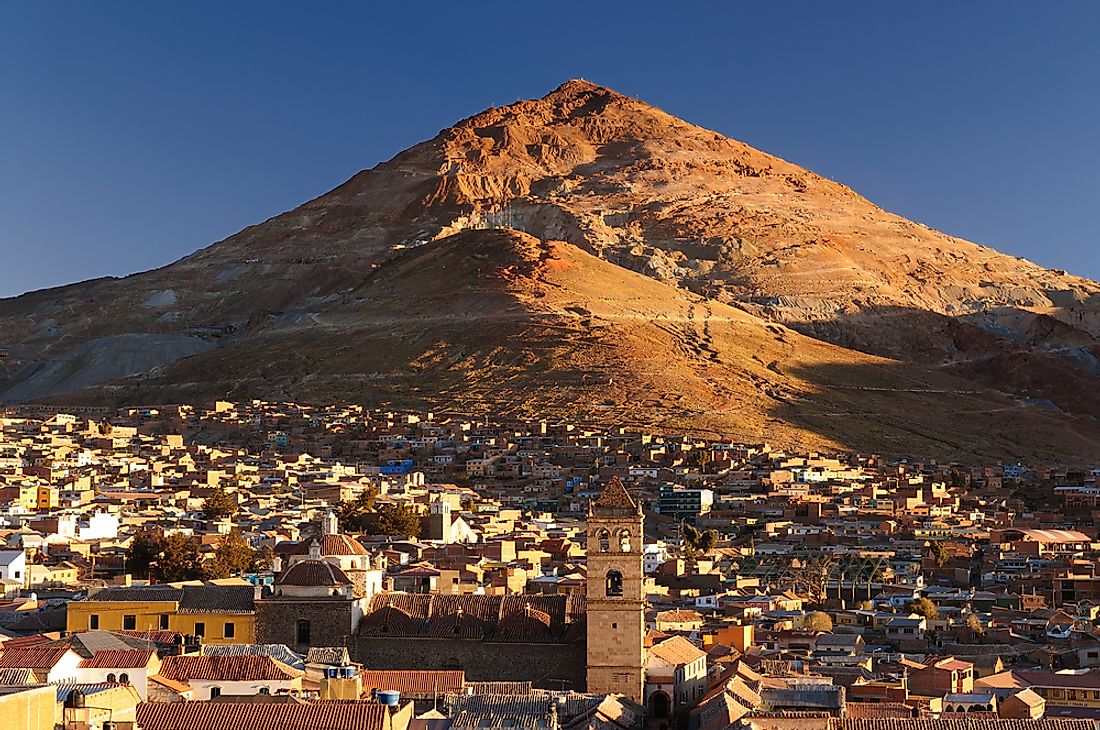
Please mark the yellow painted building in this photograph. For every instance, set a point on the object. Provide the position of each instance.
(32, 708)
(48, 497)
(221, 614)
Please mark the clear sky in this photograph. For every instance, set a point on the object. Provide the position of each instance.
(134, 133)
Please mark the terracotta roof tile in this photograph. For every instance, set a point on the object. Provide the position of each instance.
(251, 716)
(118, 659)
(32, 657)
(962, 723)
(677, 650)
(313, 573)
(414, 683)
(228, 668)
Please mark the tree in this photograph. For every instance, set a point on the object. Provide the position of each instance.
(698, 541)
(810, 577)
(975, 624)
(924, 607)
(356, 515)
(233, 556)
(398, 519)
(218, 504)
(145, 551)
(181, 559)
(819, 621)
(939, 553)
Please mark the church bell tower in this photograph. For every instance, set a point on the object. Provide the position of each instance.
(616, 595)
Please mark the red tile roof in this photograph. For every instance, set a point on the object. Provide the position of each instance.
(251, 716)
(229, 668)
(415, 683)
(118, 659)
(32, 657)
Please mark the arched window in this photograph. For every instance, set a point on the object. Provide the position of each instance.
(302, 634)
(111, 678)
(124, 678)
(614, 586)
(605, 541)
(265, 690)
(624, 541)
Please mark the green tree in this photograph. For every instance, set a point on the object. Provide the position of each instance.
(398, 519)
(939, 553)
(356, 515)
(218, 504)
(698, 542)
(144, 552)
(233, 556)
(181, 559)
(819, 621)
(924, 607)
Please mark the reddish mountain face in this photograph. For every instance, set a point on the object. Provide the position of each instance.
(711, 219)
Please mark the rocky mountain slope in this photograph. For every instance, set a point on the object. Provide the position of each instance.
(714, 223)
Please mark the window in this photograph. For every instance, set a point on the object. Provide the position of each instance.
(200, 629)
(614, 585)
(302, 634)
(265, 690)
(129, 622)
(230, 630)
(614, 625)
(164, 622)
(111, 678)
(215, 692)
(93, 622)
(605, 541)
(624, 541)
(124, 678)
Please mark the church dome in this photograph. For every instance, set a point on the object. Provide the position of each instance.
(314, 573)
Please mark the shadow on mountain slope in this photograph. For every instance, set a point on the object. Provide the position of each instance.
(964, 422)
(1033, 356)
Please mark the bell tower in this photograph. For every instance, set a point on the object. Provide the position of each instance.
(616, 595)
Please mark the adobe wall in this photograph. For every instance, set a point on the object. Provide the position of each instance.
(277, 622)
(549, 666)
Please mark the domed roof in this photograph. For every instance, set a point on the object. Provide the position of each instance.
(314, 573)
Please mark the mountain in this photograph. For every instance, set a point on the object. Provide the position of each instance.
(588, 254)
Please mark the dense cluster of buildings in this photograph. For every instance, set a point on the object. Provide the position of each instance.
(417, 572)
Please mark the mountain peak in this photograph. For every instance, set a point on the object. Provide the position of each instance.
(581, 87)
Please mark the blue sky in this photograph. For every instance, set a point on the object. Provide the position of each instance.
(135, 133)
